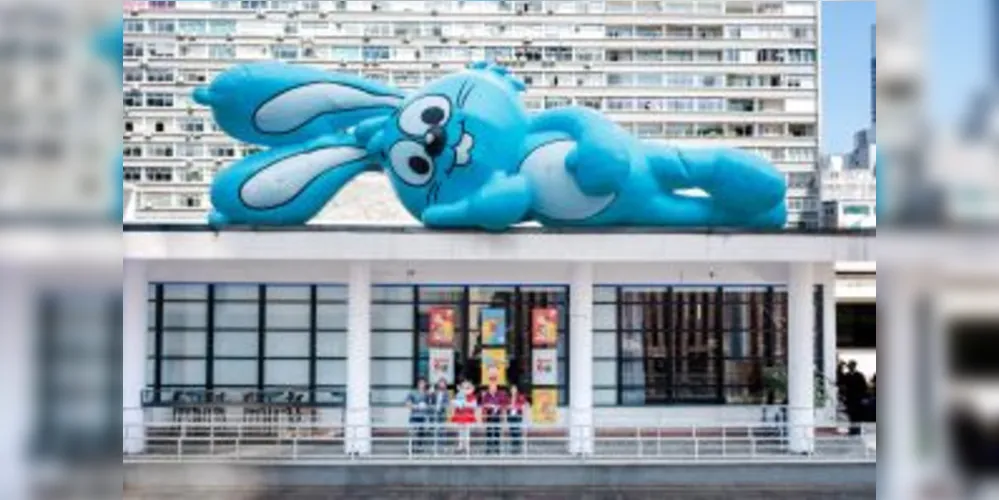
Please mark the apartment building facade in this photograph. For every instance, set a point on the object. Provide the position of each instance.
(738, 73)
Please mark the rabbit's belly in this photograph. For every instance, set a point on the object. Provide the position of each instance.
(556, 195)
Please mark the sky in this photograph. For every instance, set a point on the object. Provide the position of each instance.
(846, 61)
(958, 58)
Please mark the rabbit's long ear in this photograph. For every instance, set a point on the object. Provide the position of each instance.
(275, 104)
(287, 185)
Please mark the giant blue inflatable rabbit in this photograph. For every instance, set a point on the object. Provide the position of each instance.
(463, 152)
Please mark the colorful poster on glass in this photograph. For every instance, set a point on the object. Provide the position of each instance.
(544, 327)
(441, 366)
(494, 364)
(544, 406)
(545, 367)
(494, 327)
(441, 332)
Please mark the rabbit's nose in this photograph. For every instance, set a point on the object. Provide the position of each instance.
(436, 141)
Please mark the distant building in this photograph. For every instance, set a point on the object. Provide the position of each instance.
(874, 76)
(848, 186)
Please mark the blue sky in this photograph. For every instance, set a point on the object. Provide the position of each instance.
(846, 56)
(958, 64)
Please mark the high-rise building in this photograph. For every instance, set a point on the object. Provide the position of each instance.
(874, 76)
(736, 73)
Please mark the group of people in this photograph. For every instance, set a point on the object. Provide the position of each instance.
(434, 413)
(858, 396)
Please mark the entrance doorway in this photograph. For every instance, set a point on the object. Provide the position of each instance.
(515, 305)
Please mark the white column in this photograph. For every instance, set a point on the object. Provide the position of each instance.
(801, 358)
(358, 418)
(581, 360)
(898, 316)
(829, 329)
(135, 297)
(18, 367)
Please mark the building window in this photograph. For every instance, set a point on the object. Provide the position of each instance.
(247, 343)
(132, 174)
(685, 345)
(159, 174)
(159, 100)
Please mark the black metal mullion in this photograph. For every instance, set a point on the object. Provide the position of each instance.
(567, 292)
(261, 335)
(618, 293)
(769, 334)
(210, 342)
(720, 342)
(524, 342)
(671, 323)
(313, 341)
(417, 326)
(466, 313)
(158, 349)
(819, 347)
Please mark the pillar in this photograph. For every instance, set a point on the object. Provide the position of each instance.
(898, 316)
(135, 291)
(357, 435)
(827, 272)
(18, 367)
(801, 358)
(581, 360)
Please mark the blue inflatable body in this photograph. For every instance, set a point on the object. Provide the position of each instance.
(464, 152)
(110, 46)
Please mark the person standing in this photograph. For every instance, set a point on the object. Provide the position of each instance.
(418, 403)
(465, 415)
(855, 388)
(493, 403)
(517, 408)
(440, 403)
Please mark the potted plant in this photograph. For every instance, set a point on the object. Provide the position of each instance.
(775, 382)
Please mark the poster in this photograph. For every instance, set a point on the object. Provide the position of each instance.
(544, 327)
(441, 327)
(545, 367)
(494, 364)
(494, 327)
(544, 406)
(441, 366)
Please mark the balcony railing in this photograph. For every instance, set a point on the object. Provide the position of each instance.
(290, 438)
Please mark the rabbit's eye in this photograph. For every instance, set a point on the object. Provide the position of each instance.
(424, 114)
(411, 163)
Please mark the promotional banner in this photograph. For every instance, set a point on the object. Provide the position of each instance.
(544, 327)
(545, 367)
(494, 365)
(544, 407)
(441, 366)
(494, 327)
(441, 332)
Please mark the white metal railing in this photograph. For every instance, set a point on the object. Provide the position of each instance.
(296, 441)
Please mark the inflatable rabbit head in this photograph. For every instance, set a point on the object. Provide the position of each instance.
(451, 137)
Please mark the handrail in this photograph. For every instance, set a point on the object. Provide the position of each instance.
(301, 442)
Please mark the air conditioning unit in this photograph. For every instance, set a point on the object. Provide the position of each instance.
(147, 136)
(323, 14)
(261, 14)
(189, 163)
(192, 38)
(135, 87)
(127, 136)
(197, 137)
(218, 163)
(229, 37)
(308, 41)
(134, 12)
